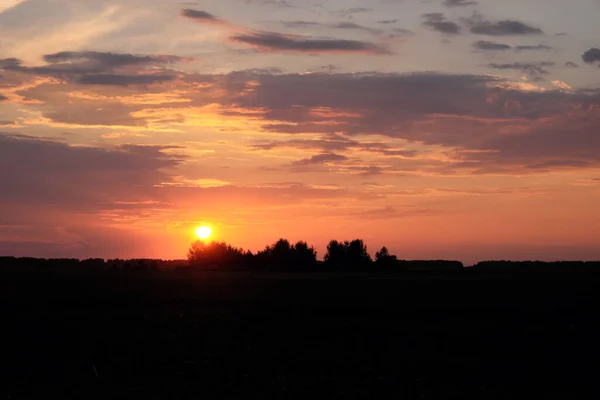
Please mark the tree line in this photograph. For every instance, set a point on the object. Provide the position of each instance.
(286, 256)
(349, 255)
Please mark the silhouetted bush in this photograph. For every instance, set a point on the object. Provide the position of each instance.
(305, 255)
(215, 254)
(283, 255)
(351, 255)
(386, 261)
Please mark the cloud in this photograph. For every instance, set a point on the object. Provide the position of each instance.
(485, 45)
(319, 159)
(279, 42)
(278, 3)
(300, 24)
(459, 125)
(335, 143)
(591, 56)
(404, 32)
(82, 25)
(311, 7)
(480, 26)
(387, 21)
(3, 98)
(329, 68)
(438, 22)
(353, 26)
(10, 63)
(124, 80)
(356, 10)
(60, 175)
(562, 85)
(59, 199)
(274, 41)
(327, 143)
(110, 60)
(529, 68)
(459, 3)
(535, 47)
(570, 64)
(383, 213)
(6, 5)
(559, 163)
(100, 68)
(201, 16)
(460, 112)
(340, 25)
(206, 18)
(371, 170)
(433, 123)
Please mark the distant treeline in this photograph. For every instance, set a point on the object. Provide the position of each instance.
(23, 264)
(285, 256)
(534, 266)
(351, 256)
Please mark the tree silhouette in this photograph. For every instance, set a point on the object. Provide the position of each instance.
(282, 254)
(357, 253)
(281, 251)
(385, 260)
(335, 254)
(347, 254)
(215, 254)
(304, 254)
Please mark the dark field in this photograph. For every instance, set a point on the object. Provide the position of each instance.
(241, 335)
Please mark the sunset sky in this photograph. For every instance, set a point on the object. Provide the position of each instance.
(451, 129)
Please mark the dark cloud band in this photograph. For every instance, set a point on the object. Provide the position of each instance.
(491, 46)
(480, 26)
(279, 42)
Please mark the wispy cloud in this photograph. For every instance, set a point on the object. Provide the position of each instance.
(324, 158)
(480, 26)
(438, 22)
(356, 27)
(493, 46)
(201, 16)
(273, 41)
(530, 68)
(101, 68)
(339, 25)
(459, 3)
(534, 47)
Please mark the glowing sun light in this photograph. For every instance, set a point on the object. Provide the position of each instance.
(204, 232)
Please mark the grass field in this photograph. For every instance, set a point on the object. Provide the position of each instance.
(243, 335)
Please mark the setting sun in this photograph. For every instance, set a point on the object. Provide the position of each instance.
(204, 232)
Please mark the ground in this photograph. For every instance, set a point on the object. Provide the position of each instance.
(242, 335)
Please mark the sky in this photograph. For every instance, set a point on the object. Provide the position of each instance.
(442, 129)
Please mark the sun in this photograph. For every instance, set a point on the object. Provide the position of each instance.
(204, 232)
